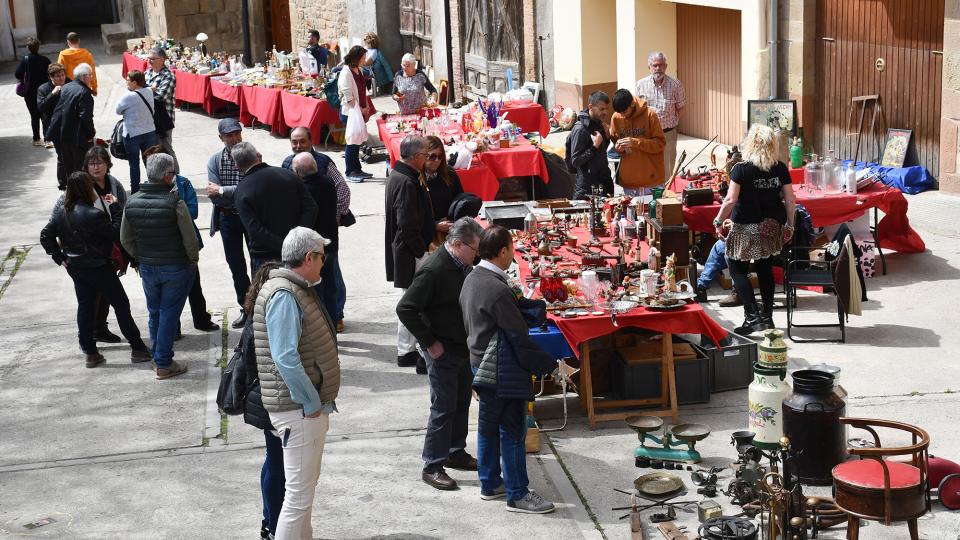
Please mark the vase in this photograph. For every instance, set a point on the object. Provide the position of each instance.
(764, 408)
(772, 351)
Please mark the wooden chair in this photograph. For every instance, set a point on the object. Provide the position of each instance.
(878, 489)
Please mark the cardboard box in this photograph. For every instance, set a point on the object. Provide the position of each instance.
(670, 211)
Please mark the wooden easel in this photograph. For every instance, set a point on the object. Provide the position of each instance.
(862, 103)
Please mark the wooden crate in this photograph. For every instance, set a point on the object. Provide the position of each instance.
(669, 239)
(670, 211)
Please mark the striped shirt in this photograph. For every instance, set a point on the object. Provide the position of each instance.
(666, 98)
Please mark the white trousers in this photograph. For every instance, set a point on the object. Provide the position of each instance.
(406, 342)
(303, 439)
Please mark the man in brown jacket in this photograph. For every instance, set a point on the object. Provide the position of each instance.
(635, 130)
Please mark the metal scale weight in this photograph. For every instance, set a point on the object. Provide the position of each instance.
(670, 445)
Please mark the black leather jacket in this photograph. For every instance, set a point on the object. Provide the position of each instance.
(83, 241)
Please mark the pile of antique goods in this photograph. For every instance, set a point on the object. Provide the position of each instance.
(191, 59)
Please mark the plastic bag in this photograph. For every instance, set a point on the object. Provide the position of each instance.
(464, 156)
(356, 130)
(308, 64)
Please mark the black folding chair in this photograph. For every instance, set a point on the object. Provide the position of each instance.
(803, 272)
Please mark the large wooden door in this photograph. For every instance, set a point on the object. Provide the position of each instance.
(276, 24)
(416, 30)
(492, 44)
(853, 36)
(708, 65)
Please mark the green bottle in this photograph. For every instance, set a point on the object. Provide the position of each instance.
(796, 154)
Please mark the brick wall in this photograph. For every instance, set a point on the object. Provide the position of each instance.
(329, 17)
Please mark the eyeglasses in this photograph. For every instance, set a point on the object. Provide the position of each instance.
(96, 163)
(474, 249)
(434, 157)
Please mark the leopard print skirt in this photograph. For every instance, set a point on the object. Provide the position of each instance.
(751, 241)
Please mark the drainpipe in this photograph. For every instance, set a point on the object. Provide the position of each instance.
(245, 22)
(772, 48)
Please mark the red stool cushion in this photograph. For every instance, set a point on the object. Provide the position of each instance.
(868, 473)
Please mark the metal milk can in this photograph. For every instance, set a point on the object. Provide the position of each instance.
(764, 408)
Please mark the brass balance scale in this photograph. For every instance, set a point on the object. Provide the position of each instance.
(670, 444)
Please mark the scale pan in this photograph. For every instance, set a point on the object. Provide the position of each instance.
(690, 432)
(644, 424)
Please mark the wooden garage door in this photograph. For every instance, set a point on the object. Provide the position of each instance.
(851, 36)
(708, 65)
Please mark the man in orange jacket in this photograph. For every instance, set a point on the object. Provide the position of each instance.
(74, 55)
(635, 130)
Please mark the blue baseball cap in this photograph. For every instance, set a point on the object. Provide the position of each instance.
(229, 125)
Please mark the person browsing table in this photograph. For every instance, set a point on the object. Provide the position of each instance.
(412, 90)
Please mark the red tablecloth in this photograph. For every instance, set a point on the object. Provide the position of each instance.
(893, 230)
(691, 319)
(307, 111)
(263, 105)
(482, 178)
(223, 92)
(529, 116)
(132, 61)
(193, 88)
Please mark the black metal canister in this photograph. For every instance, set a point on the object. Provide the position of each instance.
(811, 420)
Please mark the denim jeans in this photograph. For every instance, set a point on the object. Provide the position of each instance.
(101, 281)
(352, 157)
(272, 480)
(450, 382)
(327, 288)
(232, 235)
(166, 288)
(303, 440)
(501, 434)
(716, 262)
(134, 147)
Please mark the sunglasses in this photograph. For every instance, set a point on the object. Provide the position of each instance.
(434, 157)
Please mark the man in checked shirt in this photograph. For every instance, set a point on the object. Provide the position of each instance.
(164, 85)
(300, 141)
(665, 95)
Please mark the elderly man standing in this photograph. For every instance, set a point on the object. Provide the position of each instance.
(71, 125)
(223, 177)
(430, 310)
(663, 94)
(271, 202)
(325, 195)
(299, 371)
(164, 85)
(409, 230)
(300, 141)
(157, 230)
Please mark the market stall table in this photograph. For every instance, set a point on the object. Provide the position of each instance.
(262, 105)
(893, 231)
(529, 116)
(131, 62)
(486, 170)
(221, 92)
(194, 88)
(690, 319)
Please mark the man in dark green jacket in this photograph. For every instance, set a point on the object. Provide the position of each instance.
(157, 231)
(430, 310)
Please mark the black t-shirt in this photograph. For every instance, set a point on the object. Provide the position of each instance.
(760, 192)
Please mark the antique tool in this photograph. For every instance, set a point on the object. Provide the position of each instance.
(728, 528)
(744, 488)
(683, 167)
(685, 435)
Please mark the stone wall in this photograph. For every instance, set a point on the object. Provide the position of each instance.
(182, 20)
(797, 69)
(329, 17)
(950, 101)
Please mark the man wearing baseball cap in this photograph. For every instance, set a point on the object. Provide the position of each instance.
(223, 176)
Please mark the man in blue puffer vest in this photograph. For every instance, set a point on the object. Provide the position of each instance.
(504, 359)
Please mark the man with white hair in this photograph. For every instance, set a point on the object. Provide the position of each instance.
(271, 201)
(299, 371)
(71, 125)
(324, 193)
(157, 230)
(663, 94)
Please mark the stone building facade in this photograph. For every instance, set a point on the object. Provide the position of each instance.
(182, 20)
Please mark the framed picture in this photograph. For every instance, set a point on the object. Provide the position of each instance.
(895, 147)
(776, 113)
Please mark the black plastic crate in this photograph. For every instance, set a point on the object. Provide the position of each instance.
(731, 365)
(643, 381)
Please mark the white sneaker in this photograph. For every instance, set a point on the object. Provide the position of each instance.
(531, 504)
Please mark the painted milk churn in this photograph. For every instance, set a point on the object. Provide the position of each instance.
(772, 351)
(764, 409)
(811, 419)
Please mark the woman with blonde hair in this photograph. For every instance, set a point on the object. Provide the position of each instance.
(760, 206)
(376, 63)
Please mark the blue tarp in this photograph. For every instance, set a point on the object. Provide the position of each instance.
(909, 180)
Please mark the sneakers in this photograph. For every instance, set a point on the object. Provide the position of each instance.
(106, 336)
(172, 370)
(356, 178)
(499, 493)
(408, 360)
(140, 356)
(47, 144)
(94, 360)
(531, 504)
(38, 143)
(240, 321)
(364, 174)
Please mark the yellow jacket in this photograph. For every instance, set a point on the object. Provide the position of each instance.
(643, 165)
(71, 58)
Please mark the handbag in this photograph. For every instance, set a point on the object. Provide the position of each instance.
(235, 384)
(117, 149)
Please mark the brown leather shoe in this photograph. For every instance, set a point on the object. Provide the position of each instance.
(340, 326)
(462, 462)
(731, 300)
(94, 360)
(439, 480)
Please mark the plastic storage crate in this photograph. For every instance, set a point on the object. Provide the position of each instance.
(731, 365)
(643, 380)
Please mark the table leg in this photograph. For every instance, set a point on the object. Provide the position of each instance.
(586, 384)
(671, 373)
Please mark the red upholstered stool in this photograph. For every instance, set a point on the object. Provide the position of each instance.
(881, 490)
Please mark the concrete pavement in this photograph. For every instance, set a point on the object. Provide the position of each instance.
(112, 453)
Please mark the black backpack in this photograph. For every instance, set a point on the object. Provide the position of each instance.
(235, 382)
